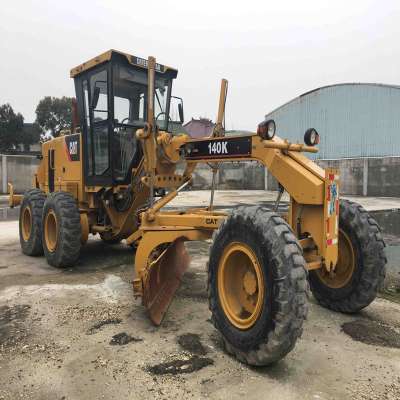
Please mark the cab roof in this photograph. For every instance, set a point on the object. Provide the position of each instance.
(108, 55)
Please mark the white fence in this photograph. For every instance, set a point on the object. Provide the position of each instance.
(18, 170)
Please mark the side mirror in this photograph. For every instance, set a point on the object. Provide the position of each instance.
(95, 98)
(180, 111)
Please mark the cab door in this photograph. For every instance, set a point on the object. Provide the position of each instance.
(97, 136)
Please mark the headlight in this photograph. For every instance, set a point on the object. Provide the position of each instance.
(266, 129)
(311, 137)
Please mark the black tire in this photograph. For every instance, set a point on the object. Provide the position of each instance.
(369, 271)
(64, 209)
(34, 200)
(110, 240)
(277, 250)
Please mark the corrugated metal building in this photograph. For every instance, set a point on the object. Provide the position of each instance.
(353, 119)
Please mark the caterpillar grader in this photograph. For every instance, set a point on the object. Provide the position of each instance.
(115, 171)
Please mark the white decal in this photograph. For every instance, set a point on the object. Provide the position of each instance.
(218, 148)
(144, 63)
(73, 147)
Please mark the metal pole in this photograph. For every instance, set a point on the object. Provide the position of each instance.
(150, 119)
(4, 173)
(365, 176)
(219, 128)
(215, 170)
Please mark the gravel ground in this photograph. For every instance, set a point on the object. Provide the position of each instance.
(80, 334)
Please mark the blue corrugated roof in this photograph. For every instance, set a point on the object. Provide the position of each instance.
(353, 119)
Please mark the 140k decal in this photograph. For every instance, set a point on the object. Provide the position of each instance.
(218, 148)
(239, 146)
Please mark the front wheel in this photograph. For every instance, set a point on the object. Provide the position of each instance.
(360, 269)
(257, 285)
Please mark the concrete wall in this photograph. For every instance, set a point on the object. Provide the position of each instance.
(378, 177)
(351, 174)
(248, 175)
(384, 176)
(359, 176)
(18, 170)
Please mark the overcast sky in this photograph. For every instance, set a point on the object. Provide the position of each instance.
(270, 51)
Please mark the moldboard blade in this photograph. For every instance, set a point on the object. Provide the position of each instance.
(163, 280)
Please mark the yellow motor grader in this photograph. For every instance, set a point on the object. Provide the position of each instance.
(114, 172)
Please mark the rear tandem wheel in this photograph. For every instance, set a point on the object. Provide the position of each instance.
(62, 230)
(30, 222)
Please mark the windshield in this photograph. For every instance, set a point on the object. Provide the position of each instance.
(130, 113)
(130, 97)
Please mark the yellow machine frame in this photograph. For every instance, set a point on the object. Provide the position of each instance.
(257, 279)
(312, 215)
(313, 211)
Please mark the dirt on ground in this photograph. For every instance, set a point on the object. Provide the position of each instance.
(80, 334)
(191, 342)
(123, 338)
(372, 332)
(181, 366)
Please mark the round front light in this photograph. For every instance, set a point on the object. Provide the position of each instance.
(266, 129)
(311, 137)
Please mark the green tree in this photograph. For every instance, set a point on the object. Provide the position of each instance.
(54, 114)
(32, 133)
(11, 127)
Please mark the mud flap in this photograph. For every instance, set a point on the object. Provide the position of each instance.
(164, 278)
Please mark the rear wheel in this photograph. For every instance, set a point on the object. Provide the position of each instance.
(30, 222)
(61, 230)
(360, 269)
(257, 285)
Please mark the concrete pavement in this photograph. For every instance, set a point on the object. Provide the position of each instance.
(56, 329)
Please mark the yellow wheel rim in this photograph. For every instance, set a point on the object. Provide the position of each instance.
(345, 266)
(241, 287)
(26, 223)
(51, 231)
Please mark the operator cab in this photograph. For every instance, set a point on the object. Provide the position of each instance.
(111, 92)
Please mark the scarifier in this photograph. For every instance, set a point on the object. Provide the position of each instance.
(116, 170)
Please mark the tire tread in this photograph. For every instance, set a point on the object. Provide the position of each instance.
(68, 249)
(372, 247)
(289, 285)
(34, 246)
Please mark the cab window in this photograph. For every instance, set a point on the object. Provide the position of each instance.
(130, 92)
(99, 96)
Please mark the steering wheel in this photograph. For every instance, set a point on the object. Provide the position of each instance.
(125, 119)
(161, 113)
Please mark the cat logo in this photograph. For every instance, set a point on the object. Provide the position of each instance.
(211, 221)
(72, 147)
